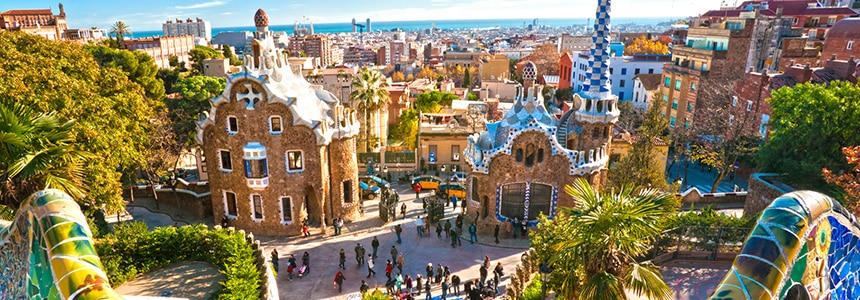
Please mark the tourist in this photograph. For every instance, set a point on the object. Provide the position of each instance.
(290, 269)
(338, 281)
(473, 234)
(516, 224)
(429, 271)
(398, 282)
(275, 260)
(398, 230)
(400, 262)
(439, 273)
(475, 294)
(439, 230)
(467, 287)
(334, 223)
(454, 239)
(525, 225)
(359, 255)
(445, 288)
(455, 284)
(393, 253)
(342, 264)
(408, 284)
(508, 228)
(306, 261)
(418, 284)
(446, 272)
(292, 261)
(388, 268)
(375, 245)
(427, 290)
(370, 266)
(305, 230)
(364, 287)
(454, 203)
(486, 262)
(463, 203)
(483, 273)
(496, 233)
(339, 226)
(499, 270)
(403, 210)
(419, 225)
(447, 228)
(224, 222)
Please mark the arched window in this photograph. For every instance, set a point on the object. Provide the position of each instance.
(519, 156)
(530, 155)
(595, 134)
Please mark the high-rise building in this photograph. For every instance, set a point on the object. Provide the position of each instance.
(316, 45)
(197, 28)
(517, 168)
(369, 29)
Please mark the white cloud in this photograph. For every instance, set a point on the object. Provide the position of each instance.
(227, 13)
(201, 5)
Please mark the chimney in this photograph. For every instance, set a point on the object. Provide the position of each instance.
(779, 12)
(791, 63)
(833, 57)
(751, 69)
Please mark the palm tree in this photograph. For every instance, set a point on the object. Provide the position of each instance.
(36, 152)
(605, 233)
(120, 29)
(369, 96)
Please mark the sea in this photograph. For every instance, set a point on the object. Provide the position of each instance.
(438, 24)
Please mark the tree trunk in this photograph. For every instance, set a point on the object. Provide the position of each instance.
(154, 193)
(722, 174)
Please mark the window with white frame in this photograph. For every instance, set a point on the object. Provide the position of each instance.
(286, 210)
(232, 125)
(256, 207)
(734, 100)
(295, 161)
(731, 120)
(850, 45)
(275, 125)
(749, 105)
(224, 162)
(230, 206)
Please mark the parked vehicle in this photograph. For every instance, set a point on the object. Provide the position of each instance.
(371, 186)
(449, 190)
(427, 182)
(458, 177)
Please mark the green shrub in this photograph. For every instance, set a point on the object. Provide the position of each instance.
(533, 291)
(375, 294)
(132, 250)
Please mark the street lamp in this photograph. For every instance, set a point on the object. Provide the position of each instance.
(545, 271)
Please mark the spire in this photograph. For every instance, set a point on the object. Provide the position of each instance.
(597, 76)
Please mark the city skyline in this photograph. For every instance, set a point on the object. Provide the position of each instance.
(149, 15)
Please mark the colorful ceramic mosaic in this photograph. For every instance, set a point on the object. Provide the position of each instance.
(805, 246)
(47, 252)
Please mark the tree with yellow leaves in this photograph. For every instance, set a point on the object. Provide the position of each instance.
(643, 45)
(397, 77)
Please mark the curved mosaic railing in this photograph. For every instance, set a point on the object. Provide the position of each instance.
(47, 252)
(805, 246)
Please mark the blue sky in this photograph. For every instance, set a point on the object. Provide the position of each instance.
(148, 15)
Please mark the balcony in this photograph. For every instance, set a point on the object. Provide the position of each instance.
(690, 51)
(257, 183)
(677, 69)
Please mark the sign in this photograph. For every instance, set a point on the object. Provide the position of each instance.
(432, 157)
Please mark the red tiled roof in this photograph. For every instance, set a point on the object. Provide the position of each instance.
(789, 8)
(649, 81)
(44, 11)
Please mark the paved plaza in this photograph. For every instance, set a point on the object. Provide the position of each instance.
(690, 280)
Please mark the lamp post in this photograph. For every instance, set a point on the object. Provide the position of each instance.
(545, 272)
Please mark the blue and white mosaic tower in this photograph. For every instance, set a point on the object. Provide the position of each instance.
(597, 83)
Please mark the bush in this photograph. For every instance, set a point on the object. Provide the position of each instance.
(132, 250)
(533, 291)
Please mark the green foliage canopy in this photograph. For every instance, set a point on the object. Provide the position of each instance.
(110, 111)
(433, 101)
(810, 124)
(138, 65)
(199, 53)
(196, 92)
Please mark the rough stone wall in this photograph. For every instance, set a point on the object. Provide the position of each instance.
(254, 127)
(344, 166)
(760, 195)
(554, 171)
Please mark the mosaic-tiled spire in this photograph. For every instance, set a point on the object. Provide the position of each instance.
(597, 76)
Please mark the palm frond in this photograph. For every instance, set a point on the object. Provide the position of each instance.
(602, 286)
(645, 280)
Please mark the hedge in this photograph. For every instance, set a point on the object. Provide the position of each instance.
(132, 250)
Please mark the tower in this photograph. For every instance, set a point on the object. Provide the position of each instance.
(353, 24)
(261, 21)
(368, 26)
(529, 74)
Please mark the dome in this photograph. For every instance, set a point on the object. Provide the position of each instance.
(846, 28)
(261, 19)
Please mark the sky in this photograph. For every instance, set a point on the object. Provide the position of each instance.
(150, 14)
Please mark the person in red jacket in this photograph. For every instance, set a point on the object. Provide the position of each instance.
(388, 268)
